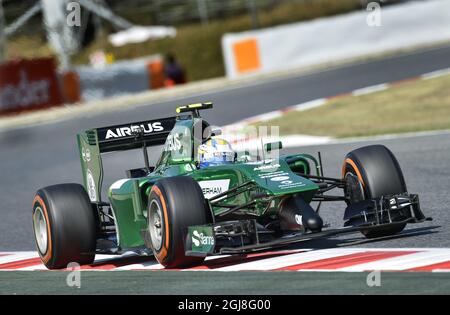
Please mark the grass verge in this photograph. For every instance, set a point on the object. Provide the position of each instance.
(407, 107)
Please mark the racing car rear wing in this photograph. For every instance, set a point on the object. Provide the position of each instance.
(93, 142)
(133, 135)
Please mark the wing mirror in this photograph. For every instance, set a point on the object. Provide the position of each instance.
(273, 146)
(208, 133)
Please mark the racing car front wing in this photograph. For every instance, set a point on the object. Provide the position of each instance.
(243, 236)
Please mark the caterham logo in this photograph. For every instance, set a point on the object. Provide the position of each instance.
(212, 188)
(133, 129)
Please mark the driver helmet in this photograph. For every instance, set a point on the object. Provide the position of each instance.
(215, 151)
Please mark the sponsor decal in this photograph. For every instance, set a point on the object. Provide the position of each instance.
(202, 238)
(199, 238)
(279, 178)
(86, 154)
(283, 179)
(146, 128)
(273, 174)
(260, 162)
(25, 93)
(90, 183)
(212, 188)
(291, 185)
(267, 167)
(173, 143)
(28, 84)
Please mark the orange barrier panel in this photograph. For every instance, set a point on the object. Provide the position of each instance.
(156, 72)
(28, 84)
(70, 84)
(246, 54)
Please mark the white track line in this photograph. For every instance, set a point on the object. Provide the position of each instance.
(309, 105)
(406, 262)
(323, 101)
(269, 116)
(17, 256)
(435, 74)
(370, 89)
(290, 260)
(419, 257)
(32, 268)
(153, 265)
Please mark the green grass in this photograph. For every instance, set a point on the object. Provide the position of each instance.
(409, 107)
(197, 47)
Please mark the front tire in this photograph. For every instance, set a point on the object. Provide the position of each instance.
(372, 172)
(64, 226)
(175, 203)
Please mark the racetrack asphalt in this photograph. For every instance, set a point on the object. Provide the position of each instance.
(224, 283)
(47, 154)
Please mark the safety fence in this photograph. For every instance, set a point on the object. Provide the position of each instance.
(337, 38)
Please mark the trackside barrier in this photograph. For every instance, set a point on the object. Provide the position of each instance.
(70, 86)
(28, 84)
(337, 38)
(34, 84)
(125, 77)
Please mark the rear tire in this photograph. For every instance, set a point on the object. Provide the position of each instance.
(175, 203)
(64, 226)
(374, 172)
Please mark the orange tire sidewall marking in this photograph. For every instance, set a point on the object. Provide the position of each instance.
(355, 168)
(163, 252)
(48, 254)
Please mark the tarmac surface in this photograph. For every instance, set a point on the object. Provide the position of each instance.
(47, 154)
(224, 283)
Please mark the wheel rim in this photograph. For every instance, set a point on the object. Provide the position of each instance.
(155, 225)
(40, 230)
(354, 188)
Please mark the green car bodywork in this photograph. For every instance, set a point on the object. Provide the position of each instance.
(182, 209)
(275, 178)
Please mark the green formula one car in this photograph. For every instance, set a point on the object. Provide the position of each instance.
(180, 211)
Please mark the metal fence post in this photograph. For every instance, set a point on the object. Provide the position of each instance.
(253, 13)
(2, 33)
(203, 11)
